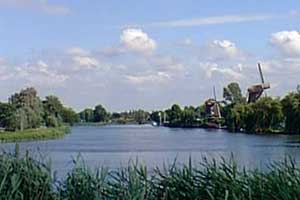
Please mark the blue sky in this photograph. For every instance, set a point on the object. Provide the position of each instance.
(156, 52)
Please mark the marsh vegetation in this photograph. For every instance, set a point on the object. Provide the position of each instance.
(23, 177)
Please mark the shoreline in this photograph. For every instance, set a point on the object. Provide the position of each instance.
(34, 134)
(274, 132)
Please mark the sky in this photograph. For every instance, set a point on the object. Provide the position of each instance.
(146, 54)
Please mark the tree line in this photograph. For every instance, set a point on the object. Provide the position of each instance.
(267, 115)
(100, 115)
(26, 110)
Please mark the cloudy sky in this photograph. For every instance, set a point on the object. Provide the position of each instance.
(146, 54)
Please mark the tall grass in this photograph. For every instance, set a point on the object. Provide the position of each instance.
(25, 178)
(34, 134)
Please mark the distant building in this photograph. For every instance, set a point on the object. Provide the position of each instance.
(298, 87)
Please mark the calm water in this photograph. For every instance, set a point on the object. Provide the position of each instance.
(114, 146)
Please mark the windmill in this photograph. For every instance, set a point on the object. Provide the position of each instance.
(212, 108)
(255, 91)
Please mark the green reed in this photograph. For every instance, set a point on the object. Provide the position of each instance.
(26, 178)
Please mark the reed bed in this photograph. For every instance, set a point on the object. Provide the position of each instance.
(26, 178)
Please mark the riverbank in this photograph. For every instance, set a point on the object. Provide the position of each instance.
(34, 134)
(210, 180)
(108, 123)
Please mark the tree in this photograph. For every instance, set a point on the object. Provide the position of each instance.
(238, 117)
(174, 114)
(265, 115)
(233, 93)
(156, 116)
(6, 113)
(140, 116)
(100, 114)
(69, 116)
(18, 120)
(29, 110)
(291, 111)
(188, 116)
(52, 106)
(87, 115)
(116, 115)
(200, 111)
(52, 121)
(53, 109)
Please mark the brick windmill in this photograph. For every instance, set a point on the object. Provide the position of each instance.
(255, 91)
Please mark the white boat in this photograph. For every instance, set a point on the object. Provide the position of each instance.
(154, 123)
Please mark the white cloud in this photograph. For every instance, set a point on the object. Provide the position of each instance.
(77, 51)
(142, 79)
(137, 40)
(40, 74)
(82, 59)
(226, 46)
(156, 78)
(222, 50)
(213, 20)
(283, 66)
(42, 5)
(86, 62)
(231, 73)
(288, 42)
(166, 63)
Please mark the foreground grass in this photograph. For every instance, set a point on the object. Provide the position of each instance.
(26, 178)
(34, 134)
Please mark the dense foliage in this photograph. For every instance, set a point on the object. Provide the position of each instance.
(100, 114)
(28, 179)
(266, 115)
(233, 93)
(25, 110)
(291, 111)
(189, 116)
(28, 110)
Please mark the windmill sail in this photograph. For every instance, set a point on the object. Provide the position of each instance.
(255, 91)
(261, 74)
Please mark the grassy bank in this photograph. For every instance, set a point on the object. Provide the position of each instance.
(34, 134)
(25, 178)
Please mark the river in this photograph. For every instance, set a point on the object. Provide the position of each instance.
(115, 146)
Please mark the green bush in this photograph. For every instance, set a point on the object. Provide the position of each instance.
(52, 121)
